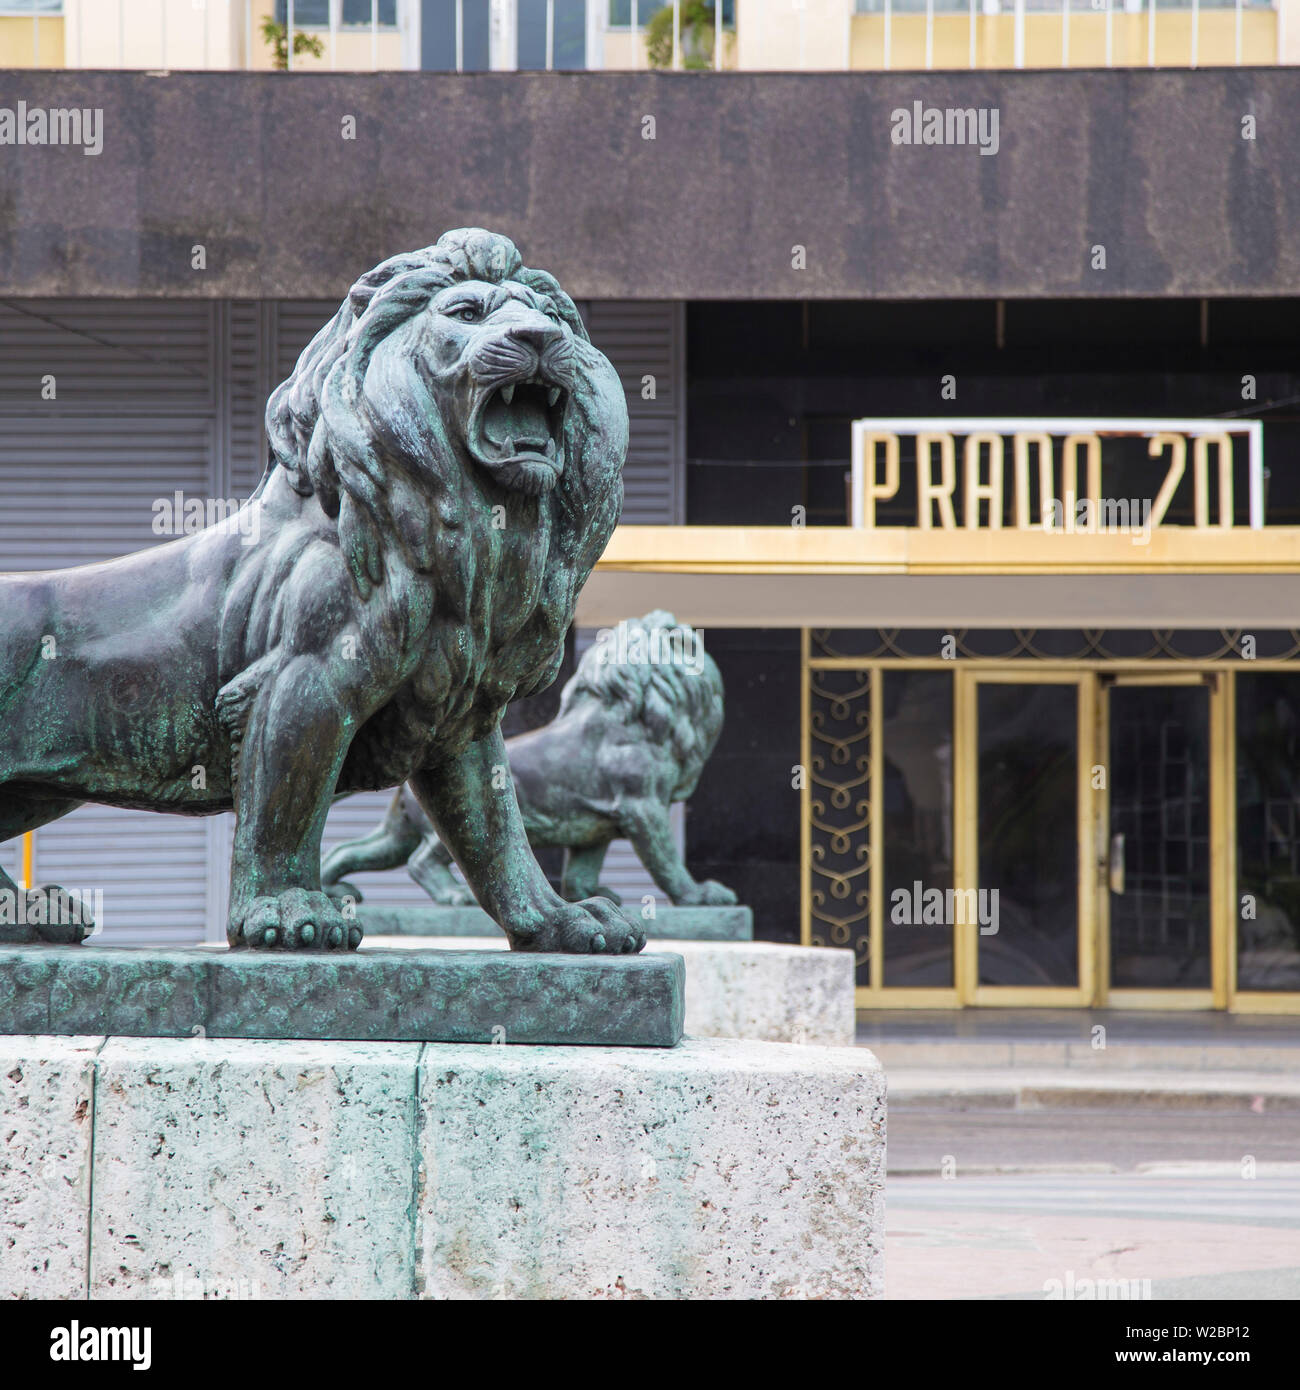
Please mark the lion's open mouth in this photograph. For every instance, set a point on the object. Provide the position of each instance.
(517, 434)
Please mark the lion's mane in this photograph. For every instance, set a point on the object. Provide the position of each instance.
(332, 440)
(677, 702)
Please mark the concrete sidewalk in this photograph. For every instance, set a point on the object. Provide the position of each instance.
(1035, 1059)
(1037, 1089)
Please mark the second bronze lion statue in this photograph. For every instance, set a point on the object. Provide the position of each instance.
(637, 723)
(445, 471)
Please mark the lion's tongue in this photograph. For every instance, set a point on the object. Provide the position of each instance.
(523, 421)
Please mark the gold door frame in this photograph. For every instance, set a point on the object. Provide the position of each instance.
(966, 868)
(1216, 682)
(1092, 677)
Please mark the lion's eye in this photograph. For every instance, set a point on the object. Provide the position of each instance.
(466, 313)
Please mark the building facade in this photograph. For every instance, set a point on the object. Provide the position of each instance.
(1007, 739)
(631, 35)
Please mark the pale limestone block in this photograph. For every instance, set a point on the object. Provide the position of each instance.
(228, 1168)
(715, 1169)
(46, 1095)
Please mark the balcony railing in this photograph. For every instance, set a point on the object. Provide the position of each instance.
(1066, 33)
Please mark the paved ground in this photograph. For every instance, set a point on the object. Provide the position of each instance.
(1029, 1089)
(1049, 1200)
(1032, 1236)
(1107, 1141)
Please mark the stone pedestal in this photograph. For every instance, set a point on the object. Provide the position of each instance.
(668, 923)
(226, 1168)
(737, 989)
(411, 995)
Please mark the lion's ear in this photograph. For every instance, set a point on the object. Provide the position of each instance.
(543, 283)
(373, 281)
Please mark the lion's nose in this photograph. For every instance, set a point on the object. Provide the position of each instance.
(539, 337)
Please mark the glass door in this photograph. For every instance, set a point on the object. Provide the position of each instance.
(1028, 845)
(1157, 858)
(455, 35)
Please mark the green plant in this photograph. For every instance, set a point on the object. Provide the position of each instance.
(696, 37)
(277, 35)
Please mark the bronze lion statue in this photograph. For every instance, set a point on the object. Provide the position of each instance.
(444, 471)
(637, 722)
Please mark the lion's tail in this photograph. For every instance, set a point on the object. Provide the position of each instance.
(390, 843)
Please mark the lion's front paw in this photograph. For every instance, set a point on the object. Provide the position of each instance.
(297, 919)
(710, 893)
(592, 927)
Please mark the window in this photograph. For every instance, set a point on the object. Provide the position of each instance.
(315, 14)
(620, 12)
(438, 35)
(306, 13)
(569, 36)
(10, 8)
(358, 12)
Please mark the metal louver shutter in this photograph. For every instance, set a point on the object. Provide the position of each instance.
(648, 340)
(133, 419)
(249, 370)
(81, 488)
(645, 339)
(297, 321)
(152, 869)
(106, 355)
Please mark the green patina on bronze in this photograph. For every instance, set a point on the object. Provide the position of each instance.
(372, 996)
(668, 923)
(445, 470)
(637, 722)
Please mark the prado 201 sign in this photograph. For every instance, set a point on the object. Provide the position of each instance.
(1082, 476)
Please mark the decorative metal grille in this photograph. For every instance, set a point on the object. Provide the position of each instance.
(839, 829)
(1052, 644)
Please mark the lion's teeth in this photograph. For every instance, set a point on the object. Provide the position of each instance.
(507, 394)
(550, 448)
(553, 395)
(509, 446)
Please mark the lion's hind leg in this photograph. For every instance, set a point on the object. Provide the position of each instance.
(581, 878)
(646, 824)
(430, 867)
(47, 913)
(390, 843)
